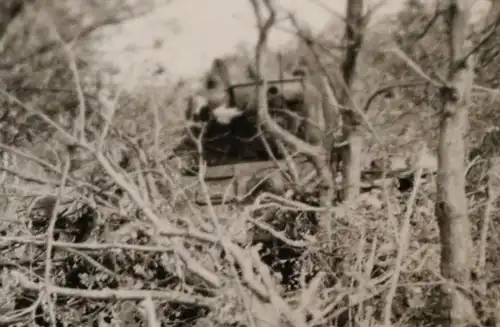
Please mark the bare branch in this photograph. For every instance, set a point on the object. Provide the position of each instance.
(432, 21)
(86, 246)
(388, 88)
(416, 67)
(489, 34)
(122, 295)
(328, 111)
(371, 11)
(330, 10)
(264, 115)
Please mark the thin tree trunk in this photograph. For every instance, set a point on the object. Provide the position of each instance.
(351, 155)
(451, 202)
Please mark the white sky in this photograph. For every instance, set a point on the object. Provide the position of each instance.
(193, 32)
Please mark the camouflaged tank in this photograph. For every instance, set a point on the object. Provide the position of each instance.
(241, 159)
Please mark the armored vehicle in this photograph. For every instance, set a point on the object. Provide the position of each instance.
(241, 158)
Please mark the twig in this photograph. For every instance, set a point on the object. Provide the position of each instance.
(86, 246)
(388, 88)
(121, 295)
(416, 67)
(15, 316)
(489, 35)
(404, 240)
(79, 129)
(278, 235)
(263, 110)
(50, 239)
(493, 194)
(249, 278)
(93, 262)
(150, 312)
(161, 225)
(432, 21)
(30, 157)
(31, 179)
(295, 318)
(66, 136)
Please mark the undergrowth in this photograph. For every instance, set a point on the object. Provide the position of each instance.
(129, 247)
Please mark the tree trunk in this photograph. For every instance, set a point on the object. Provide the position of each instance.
(451, 202)
(351, 155)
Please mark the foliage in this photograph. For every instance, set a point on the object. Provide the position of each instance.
(200, 262)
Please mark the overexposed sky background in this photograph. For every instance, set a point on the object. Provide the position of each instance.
(185, 35)
(189, 33)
